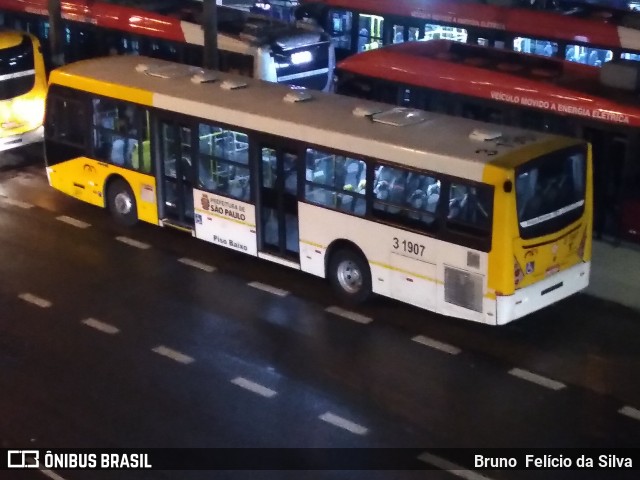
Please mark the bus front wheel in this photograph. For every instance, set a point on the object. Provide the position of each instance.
(122, 203)
(350, 276)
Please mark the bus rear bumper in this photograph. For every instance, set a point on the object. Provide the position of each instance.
(26, 138)
(542, 294)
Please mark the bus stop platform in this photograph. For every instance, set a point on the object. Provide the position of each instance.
(615, 273)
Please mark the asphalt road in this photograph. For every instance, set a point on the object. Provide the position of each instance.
(105, 342)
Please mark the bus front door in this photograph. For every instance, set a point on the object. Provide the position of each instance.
(176, 189)
(279, 203)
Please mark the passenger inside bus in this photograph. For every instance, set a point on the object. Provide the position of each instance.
(466, 206)
(123, 146)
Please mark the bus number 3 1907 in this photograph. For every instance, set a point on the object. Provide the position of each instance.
(408, 247)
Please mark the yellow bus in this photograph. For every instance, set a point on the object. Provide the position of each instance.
(467, 219)
(23, 87)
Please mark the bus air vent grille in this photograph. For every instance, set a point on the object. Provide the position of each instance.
(463, 289)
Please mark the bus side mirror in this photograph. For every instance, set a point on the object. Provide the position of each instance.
(507, 186)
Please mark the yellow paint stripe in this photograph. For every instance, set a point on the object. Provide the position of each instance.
(99, 87)
(212, 214)
(489, 295)
(317, 245)
(406, 272)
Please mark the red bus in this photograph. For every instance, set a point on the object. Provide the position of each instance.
(584, 35)
(600, 105)
(253, 45)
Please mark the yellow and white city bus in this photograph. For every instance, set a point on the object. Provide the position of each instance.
(23, 87)
(481, 222)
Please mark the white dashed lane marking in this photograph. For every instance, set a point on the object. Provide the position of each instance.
(73, 221)
(268, 288)
(254, 387)
(349, 315)
(450, 467)
(630, 412)
(173, 354)
(17, 203)
(35, 300)
(343, 423)
(430, 342)
(537, 379)
(101, 326)
(133, 243)
(197, 264)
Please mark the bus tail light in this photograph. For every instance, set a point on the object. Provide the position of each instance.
(582, 245)
(518, 274)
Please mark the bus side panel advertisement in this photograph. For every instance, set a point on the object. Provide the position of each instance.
(226, 222)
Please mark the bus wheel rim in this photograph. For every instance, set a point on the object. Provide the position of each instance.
(123, 203)
(349, 276)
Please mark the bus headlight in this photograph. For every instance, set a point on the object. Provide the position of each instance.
(26, 111)
(299, 58)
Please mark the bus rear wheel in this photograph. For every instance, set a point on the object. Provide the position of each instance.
(122, 203)
(350, 276)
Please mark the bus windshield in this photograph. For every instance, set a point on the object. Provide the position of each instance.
(550, 192)
(17, 72)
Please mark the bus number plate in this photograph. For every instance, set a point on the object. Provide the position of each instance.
(407, 246)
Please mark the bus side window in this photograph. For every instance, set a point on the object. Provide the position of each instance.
(164, 50)
(79, 41)
(223, 160)
(533, 45)
(408, 97)
(115, 135)
(354, 86)
(340, 22)
(414, 97)
(388, 92)
(483, 113)
(236, 63)
(66, 122)
(335, 181)
(141, 151)
(369, 32)
(433, 31)
(589, 56)
(398, 34)
(405, 197)
(630, 56)
(470, 208)
(193, 55)
(131, 44)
